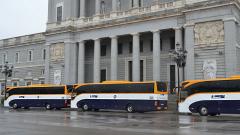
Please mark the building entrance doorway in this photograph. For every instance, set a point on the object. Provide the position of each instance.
(172, 77)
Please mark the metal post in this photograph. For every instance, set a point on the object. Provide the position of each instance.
(5, 86)
(7, 73)
(178, 83)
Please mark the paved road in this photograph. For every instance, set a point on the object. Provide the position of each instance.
(64, 122)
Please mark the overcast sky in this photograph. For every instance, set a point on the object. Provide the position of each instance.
(22, 17)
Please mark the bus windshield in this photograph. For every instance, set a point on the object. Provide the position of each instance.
(183, 95)
(161, 86)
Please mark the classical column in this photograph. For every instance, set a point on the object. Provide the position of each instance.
(70, 62)
(82, 8)
(189, 46)
(114, 5)
(114, 54)
(156, 56)
(136, 57)
(81, 62)
(97, 7)
(96, 66)
(230, 32)
(179, 40)
(47, 64)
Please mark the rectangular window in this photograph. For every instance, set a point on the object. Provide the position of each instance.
(17, 57)
(120, 48)
(15, 83)
(103, 50)
(172, 77)
(28, 83)
(161, 44)
(141, 46)
(172, 43)
(130, 47)
(4, 60)
(30, 55)
(42, 82)
(59, 14)
(151, 45)
(43, 72)
(140, 3)
(130, 77)
(103, 75)
(141, 70)
(44, 54)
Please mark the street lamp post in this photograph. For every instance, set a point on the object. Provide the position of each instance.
(179, 56)
(7, 71)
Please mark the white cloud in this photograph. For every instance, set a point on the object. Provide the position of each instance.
(22, 17)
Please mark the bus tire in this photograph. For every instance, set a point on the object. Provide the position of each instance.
(203, 111)
(96, 110)
(25, 108)
(15, 106)
(85, 107)
(48, 107)
(130, 108)
(213, 114)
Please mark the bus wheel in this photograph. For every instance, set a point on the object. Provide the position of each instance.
(48, 107)
(15, 106)
(85, 107)
(130, 108)
(203, 111)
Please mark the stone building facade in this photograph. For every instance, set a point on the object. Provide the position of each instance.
(97, 40)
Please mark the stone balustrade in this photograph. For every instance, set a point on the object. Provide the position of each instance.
(85, 21)
(22, 40)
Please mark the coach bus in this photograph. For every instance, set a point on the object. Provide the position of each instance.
(48, 96)
(211, 97)
(121, 95)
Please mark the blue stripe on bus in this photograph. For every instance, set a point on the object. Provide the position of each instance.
(139, 105)
(217, 106)
(55, 103)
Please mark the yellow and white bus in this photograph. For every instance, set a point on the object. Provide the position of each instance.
(48, 96)
(121, 95)
(210, 97)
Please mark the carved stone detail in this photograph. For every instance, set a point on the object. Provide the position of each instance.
(209, 33)
(57, 51)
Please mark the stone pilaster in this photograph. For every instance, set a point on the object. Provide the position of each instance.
(189, 46)
(70, 62)
(230, 32)
(47, 64)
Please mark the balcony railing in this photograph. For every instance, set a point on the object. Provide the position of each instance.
(117, 15)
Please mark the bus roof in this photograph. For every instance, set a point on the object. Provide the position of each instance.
(35, 86)
(112, 82)
(190, 82)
